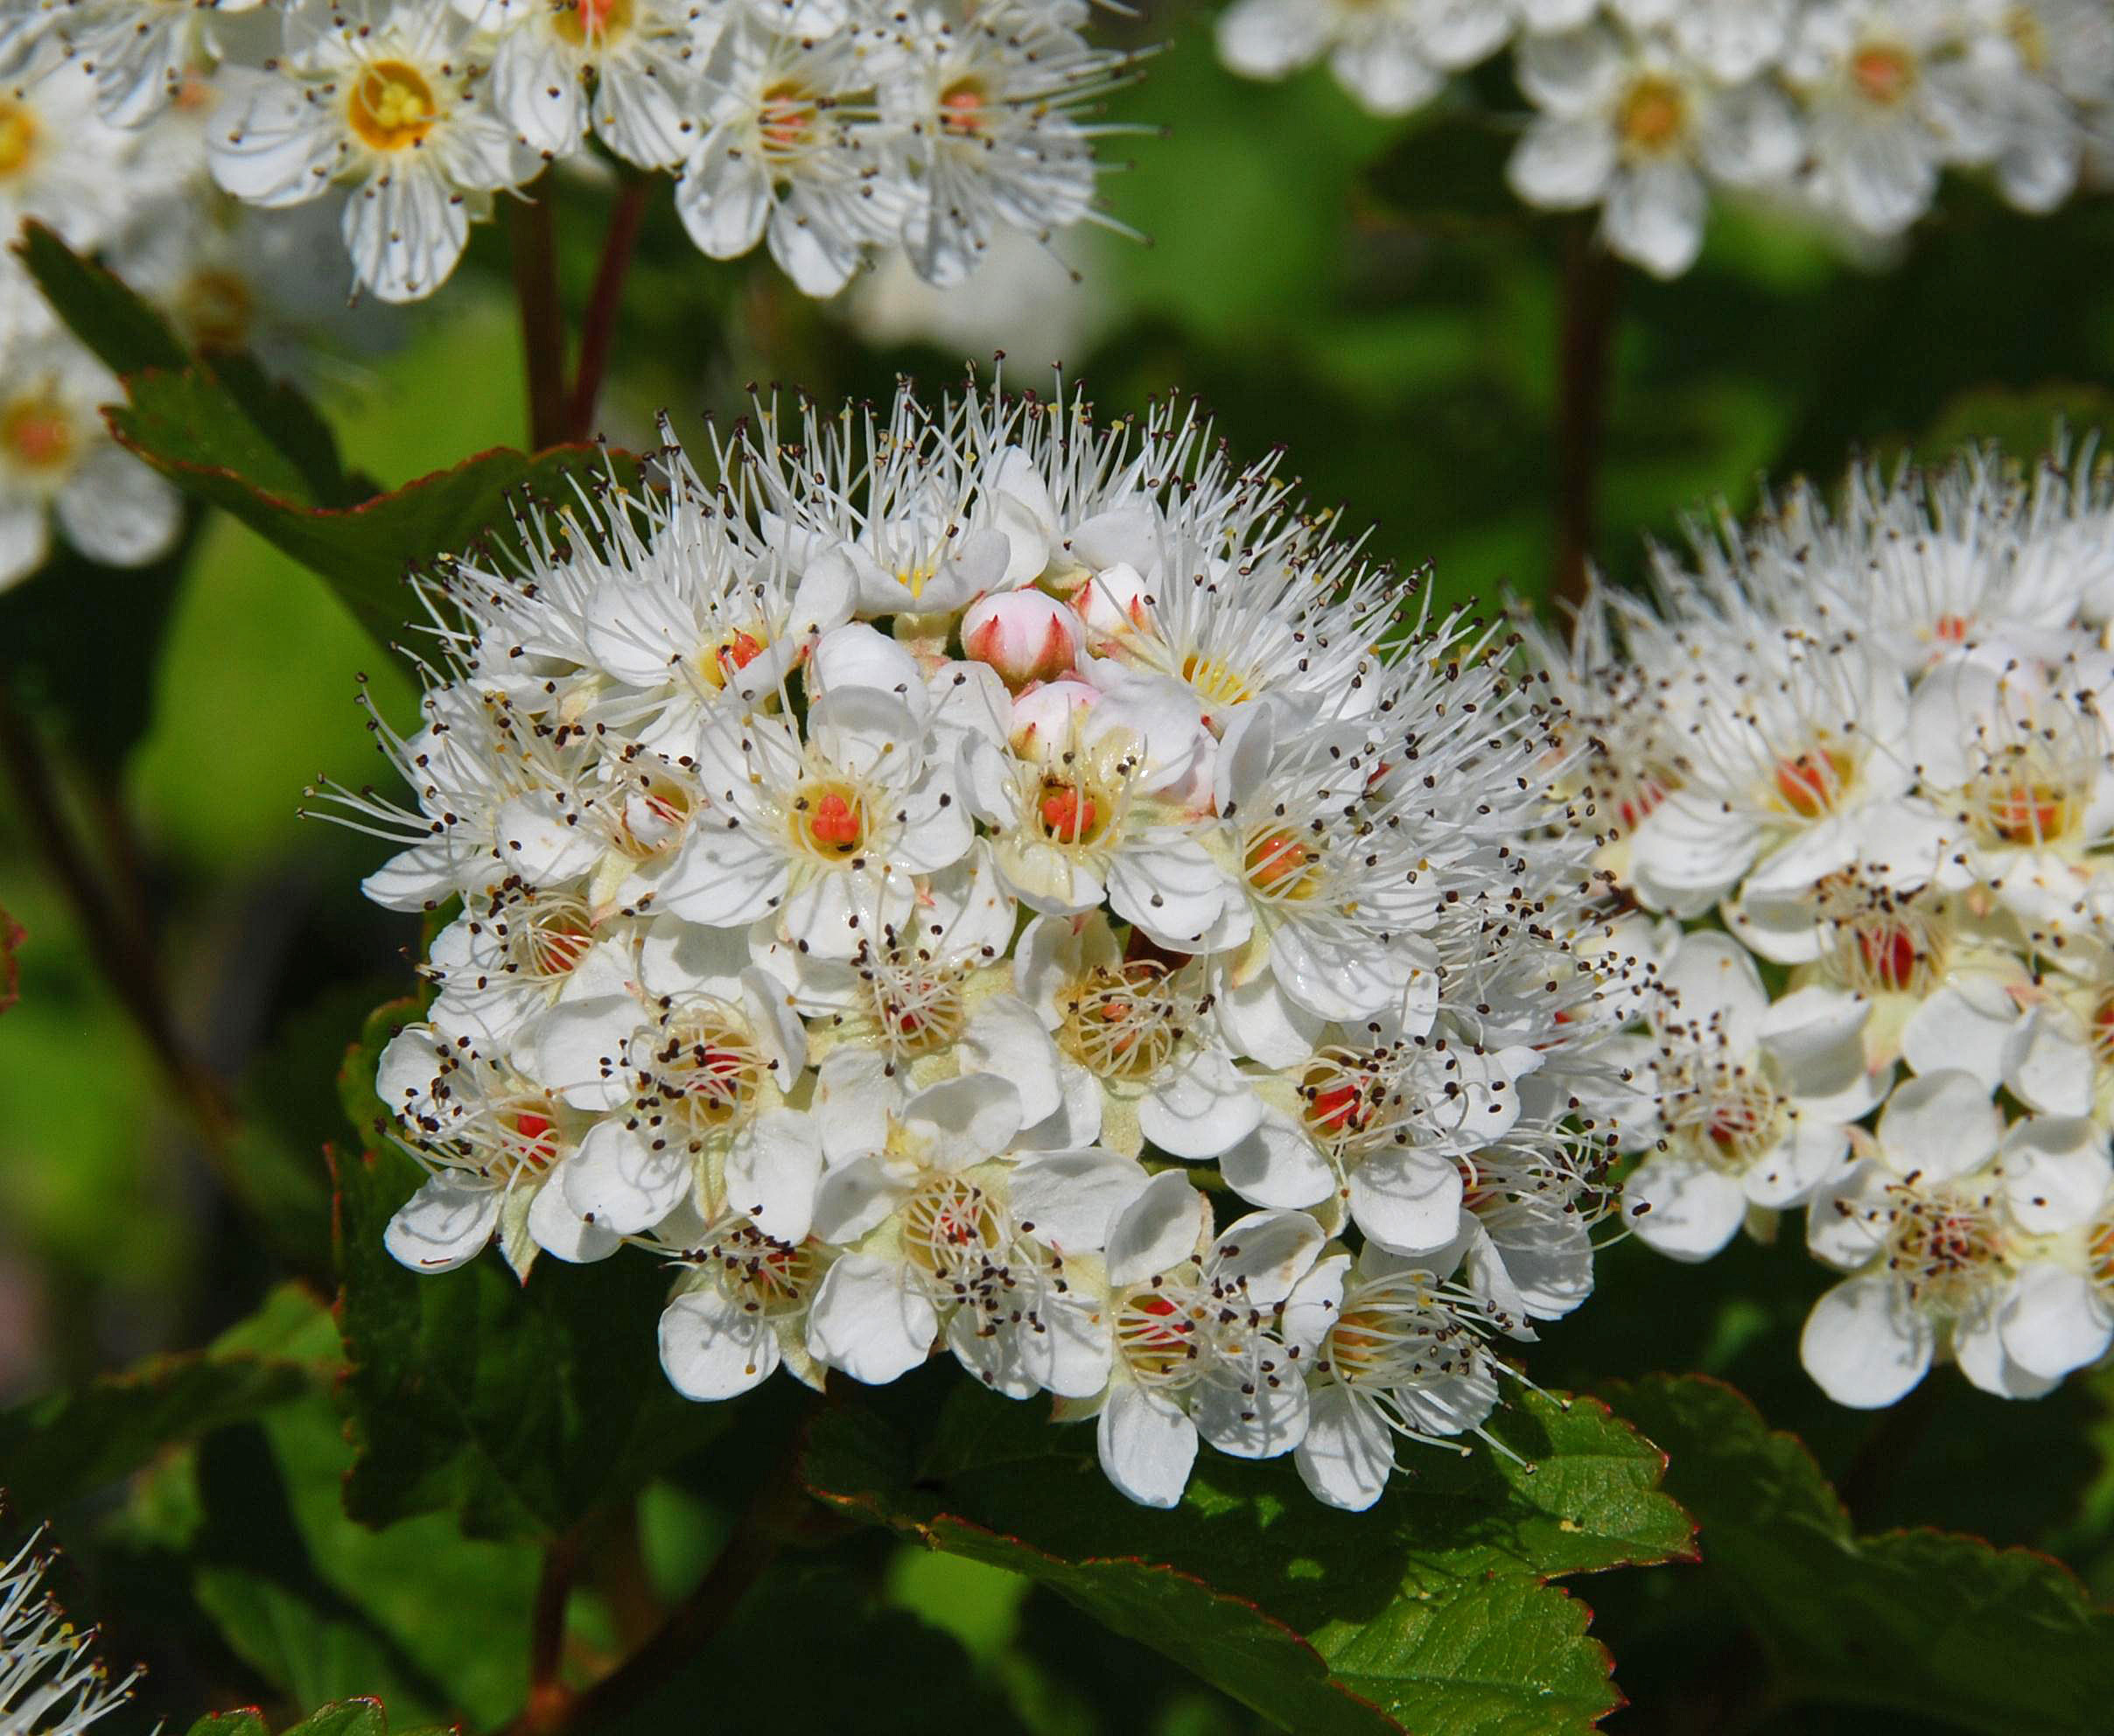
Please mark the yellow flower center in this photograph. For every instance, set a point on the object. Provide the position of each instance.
(583, 21)
(964, 107)
(37, 433)
(1652, 114)
(17, 137)
(829, 820)
(1280, 866)
(392, 106)
(1882, 73)
(786, 117)
(1812, 784)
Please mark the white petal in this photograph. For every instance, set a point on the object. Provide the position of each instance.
(1347, 1454)
(1865, 1344)
(2055, 1320)
(1147, 1445)
(711, 1348)
(1070, 1200)
(1406, 1199)
(560, 1230)
(1200, 1107)
(1254, 1419)
(961, 1122)
(1266, 1253)
(1686, 1207)
(772, 1170)
(1276, 1164)
(443, 1225)
(1939, 1126)
(2056, 1172)
(2048, 1063)
(868, 1321)
(1169, 1222)
(619, 1181)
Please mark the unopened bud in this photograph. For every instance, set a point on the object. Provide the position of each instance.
(1024, 635)
(1045, 716)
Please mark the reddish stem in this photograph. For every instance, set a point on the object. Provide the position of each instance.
(533, 231)
(1592, 288)
(597, 335)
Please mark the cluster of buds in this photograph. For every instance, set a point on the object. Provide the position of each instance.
(1851, 770)
(973, 882)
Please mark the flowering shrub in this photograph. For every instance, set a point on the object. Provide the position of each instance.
(1849, 109)
(989, 1061)
(1853, 768)
(894, 874)
(826, 130)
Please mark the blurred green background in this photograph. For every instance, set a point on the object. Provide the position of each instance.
(1365, 295)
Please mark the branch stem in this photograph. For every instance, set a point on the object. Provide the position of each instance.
(120, 946)
(597, 335)
(1592, 286)
(533, 230)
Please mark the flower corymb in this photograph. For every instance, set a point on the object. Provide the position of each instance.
(969, 882)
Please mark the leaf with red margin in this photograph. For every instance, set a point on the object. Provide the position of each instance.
(176, 422)
(1429, 1613)
(1948, 1626)
(347, 1717)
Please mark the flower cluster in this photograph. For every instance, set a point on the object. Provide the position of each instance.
(914, 881)
(51, 1682)
(77, 154)
(1849, 109)
(1853, 768)
(829, 129)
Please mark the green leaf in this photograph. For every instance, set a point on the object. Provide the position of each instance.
(58, 1449)
(122, 331)
(177, 423)
(1429, 1613)
(811, 1648)
(1942, 1626)
(308, 1651)
(348, 1718)
(248, 1722)
(523, 1407)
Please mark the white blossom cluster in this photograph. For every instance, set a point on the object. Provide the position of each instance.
(134, 187)
(971, 879)
(1852, 770)
(829, 129)
(52, 1682)
(1850, 108)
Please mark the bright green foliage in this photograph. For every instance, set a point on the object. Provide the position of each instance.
(1947, 1626)
(1431, 1613)
(228, 436)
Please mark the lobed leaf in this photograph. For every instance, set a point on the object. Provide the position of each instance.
(1946, 1626)
(1431, 1611)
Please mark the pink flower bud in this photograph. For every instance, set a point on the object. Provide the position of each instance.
(1044, 717)
(1114, 605)
(1023, 636)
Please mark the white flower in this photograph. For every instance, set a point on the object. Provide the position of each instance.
(1937, 1222)
(1892, 101)
(52, 1682)
(641, 59)
(1393, 1351)
(1197, 1351)
(61, 162)
(57, 461)
(381, 98)
(857, 979)
(1393, 56)
(143, 53)
(985, 96)
(950, 1229)
(821, 827)
(1632, 125)
(1755, 1102)
(791, 151)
